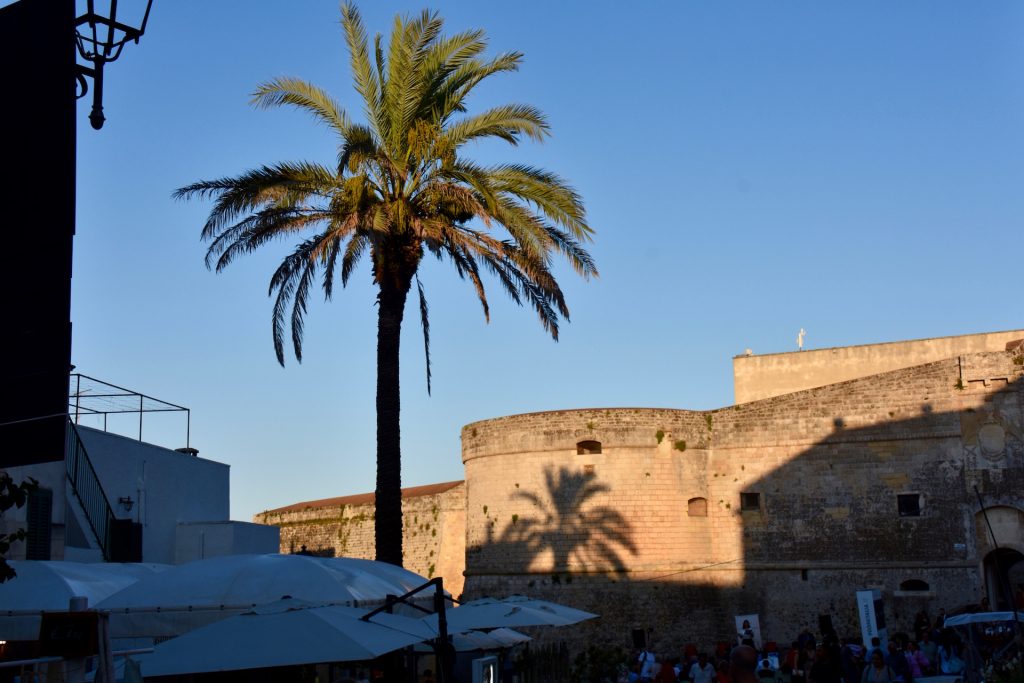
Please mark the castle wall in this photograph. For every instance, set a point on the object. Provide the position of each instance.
(615, 531)
(433, 531)
(535, 504)
(763, 376)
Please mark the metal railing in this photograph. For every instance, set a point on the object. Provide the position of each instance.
(86, 486)
(89, 396)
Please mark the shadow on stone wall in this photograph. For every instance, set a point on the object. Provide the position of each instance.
(566, 525)
(320, 551)
(900, 490)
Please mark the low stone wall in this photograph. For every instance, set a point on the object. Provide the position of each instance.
(433, 538)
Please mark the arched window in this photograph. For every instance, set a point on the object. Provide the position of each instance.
(588, 447)
(916, 585)
(697, 507)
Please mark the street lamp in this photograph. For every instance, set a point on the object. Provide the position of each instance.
(100, 38)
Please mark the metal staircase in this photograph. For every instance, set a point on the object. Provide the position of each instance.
(87, 489)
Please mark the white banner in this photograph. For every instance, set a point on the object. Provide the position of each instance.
(871, 609)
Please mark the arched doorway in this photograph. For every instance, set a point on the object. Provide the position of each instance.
(1004, 573)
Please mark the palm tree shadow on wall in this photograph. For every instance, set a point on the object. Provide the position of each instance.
(564, 522)
(828, 523)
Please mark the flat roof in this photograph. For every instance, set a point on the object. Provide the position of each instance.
(898, 341)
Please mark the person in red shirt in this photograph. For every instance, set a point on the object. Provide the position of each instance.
(722, 676)
(667, 673)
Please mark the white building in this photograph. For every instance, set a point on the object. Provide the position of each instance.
(119, 499)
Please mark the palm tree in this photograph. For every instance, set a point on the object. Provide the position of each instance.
(399, 191)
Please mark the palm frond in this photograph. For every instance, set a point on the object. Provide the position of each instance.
(554, 197)
(476, 177)
(467, 268)
(525, 228)
(329, 263)
(306, 96)
(507, 122)
(356, 246)
(380, 65)
(422, 35)
(255, 231)
(425, 323)
(299, 299)
(535, 284)
(282, 185)
(368, 81)
(578, 257)
(285, 281)
(467, 76)
(398, 64)
(446, 55)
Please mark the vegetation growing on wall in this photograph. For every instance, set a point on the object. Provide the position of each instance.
(12, 496)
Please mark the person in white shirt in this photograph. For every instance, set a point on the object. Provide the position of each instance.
(702, 671)
(646, 660)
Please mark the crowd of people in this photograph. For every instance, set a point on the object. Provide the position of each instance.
(931, 649)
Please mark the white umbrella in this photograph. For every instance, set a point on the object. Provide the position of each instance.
(49, 586)
(515, 611)
(198, 593)
(570, 615)
(508, 637)
(284, 634)
(981, 618)
(498, 639)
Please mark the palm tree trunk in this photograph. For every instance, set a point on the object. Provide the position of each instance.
(388, 526)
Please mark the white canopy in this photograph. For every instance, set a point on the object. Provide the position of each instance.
(192, 595)
(49, 586)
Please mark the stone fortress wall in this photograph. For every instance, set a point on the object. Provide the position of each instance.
(782, 507)
(343, 527)
(672, 522)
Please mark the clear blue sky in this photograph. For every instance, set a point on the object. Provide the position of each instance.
(750, 168)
